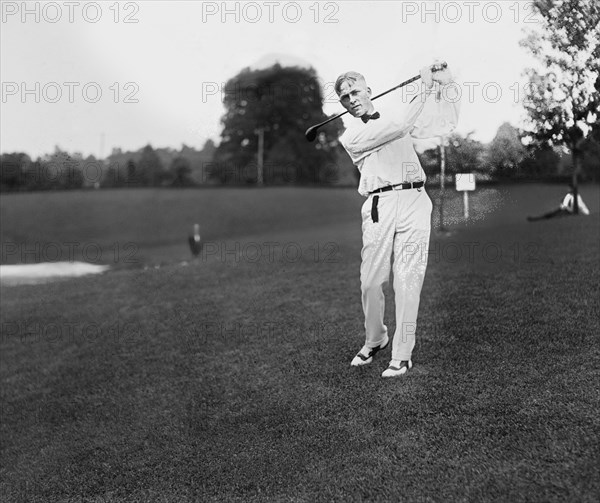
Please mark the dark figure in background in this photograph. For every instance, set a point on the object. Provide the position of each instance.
(566, 207)
(194, 241)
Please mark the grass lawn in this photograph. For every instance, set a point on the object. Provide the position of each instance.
(227, 378)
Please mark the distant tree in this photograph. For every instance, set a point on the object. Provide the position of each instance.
(36, 176)
(149, 167)
(181, 172)
(562, 101)
(92, 170)
(430, 161)
(345, 171)
(166, 155)
(72, 175)
(12, 171)
(539, 161)
(111, 177)
(465, 154)
(328, 142)
(201, 161)
(505, 152)
(60, 170)
(282, 103)
(134, 177)
(590, 163)
(209, 148)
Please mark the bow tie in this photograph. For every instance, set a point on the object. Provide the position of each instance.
(365, 118)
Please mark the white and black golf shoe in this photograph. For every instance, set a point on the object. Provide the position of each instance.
(366, 354)
(397, 370)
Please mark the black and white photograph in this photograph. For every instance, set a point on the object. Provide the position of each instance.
(305, 251)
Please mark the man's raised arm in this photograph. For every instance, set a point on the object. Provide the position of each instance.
(439, 115)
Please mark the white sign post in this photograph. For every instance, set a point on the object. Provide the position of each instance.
(443, 142)
(464, 183)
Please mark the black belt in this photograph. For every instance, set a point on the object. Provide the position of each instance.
(400, 186)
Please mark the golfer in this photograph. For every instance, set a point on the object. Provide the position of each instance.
(396, 215)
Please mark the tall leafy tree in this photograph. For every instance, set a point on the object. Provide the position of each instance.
(277, 103)
(149, 167)
(506, 151)
(562, 100)
(60, 170)
(181, 172)
(540, 161)
(464, 154)
(12, 171)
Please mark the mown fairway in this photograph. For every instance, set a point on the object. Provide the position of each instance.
(228, 378)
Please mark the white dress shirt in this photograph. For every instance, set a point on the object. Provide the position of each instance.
(382, 149)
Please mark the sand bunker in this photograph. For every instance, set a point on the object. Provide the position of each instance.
(33, 274)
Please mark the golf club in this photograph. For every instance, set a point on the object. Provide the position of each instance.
(311, 132)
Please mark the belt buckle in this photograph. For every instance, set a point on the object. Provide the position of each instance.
(397, 186)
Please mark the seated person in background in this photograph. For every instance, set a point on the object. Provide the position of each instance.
(566, 207)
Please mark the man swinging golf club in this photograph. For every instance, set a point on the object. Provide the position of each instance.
(396, 216)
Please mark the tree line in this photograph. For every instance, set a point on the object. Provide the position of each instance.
(147, 167)
(505, 158)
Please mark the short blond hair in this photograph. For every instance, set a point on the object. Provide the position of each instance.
(351, 77)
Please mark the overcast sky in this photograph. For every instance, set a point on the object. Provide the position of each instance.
(92, 76)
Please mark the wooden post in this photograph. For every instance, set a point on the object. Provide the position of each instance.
(261, 149)
(442, 179)
(575, 158)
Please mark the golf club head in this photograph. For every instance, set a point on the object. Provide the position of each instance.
(311, 133)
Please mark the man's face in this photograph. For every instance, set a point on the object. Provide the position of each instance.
(356, 97)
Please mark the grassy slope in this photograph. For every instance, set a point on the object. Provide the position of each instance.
(152, 225)
(228, 380)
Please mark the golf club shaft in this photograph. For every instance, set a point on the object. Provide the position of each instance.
(405, 83)
(311, 131)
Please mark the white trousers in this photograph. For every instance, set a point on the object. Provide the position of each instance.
(402, 228)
